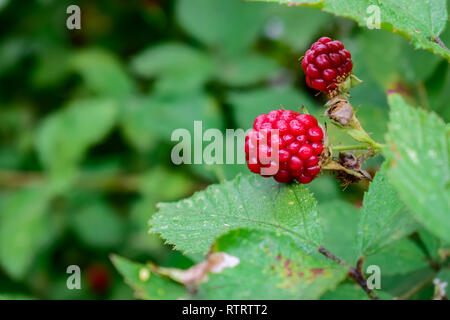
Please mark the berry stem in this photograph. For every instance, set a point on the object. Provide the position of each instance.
(350, 147)
(333, 165)
(357, 132)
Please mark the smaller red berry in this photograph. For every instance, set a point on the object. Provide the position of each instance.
(326, 64)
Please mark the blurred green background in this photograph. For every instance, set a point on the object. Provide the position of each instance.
(86, 118)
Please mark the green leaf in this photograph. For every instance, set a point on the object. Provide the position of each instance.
(432, 244)
(273, 268)
(384, 218)
(340, 223)
(444, 276)
(86, 224)
(422, 21)
(245, 202)
(438, 90)
(401, 257)
(3, 3)
(147, 285)
(382, 53)
(419, 20)
(246, 69)
(102, 73)
(55, 59)
(157, 116)
(390, 59)
(230, 25)
(176, 184)
(402, 286)
(12, 51)
(374, 120)
(283, 24)
(135, 125)
(247, 105)
(25, 229)
(325, 188)
(176, 65)
(419, 170)
(64, 136)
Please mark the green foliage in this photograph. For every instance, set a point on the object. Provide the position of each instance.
(147, 285)
(176, 65)
(340, 222)
(247, 201)
(209, 22)
(419, 164)
(25, 228)
(249, 104)
(274, 266)
(102, 73)
(87, 116)
(384, 218)
(64, 137)
(419, 20)
(242, 70)
(389, 58)
(444, 276)
(294, 26)
(86, 224)
(403, 256)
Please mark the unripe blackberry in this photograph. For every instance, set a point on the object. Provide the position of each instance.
(292, 151)
(327, 64)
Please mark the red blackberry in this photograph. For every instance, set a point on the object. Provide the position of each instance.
(286, 145)
(327, 64)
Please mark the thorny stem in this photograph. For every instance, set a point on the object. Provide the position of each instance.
(354, 273)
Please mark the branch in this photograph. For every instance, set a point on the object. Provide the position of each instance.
(440, 42)
(331, 256)
(354, 273)
(359, 278)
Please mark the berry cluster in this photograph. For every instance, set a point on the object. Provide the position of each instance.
(298, 139)
(326, 64)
